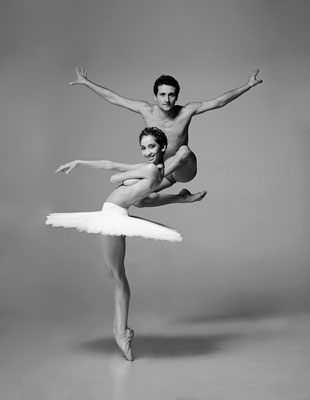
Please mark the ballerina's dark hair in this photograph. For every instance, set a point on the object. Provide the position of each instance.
(158, 134)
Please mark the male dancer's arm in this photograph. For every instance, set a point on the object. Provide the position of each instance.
(107, 94)
(221, 101)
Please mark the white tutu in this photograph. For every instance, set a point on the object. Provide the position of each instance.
(113, 220)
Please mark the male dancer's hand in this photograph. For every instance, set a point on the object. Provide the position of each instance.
(81, 76)
(253, 81)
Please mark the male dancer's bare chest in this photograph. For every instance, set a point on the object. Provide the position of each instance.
(175, 129)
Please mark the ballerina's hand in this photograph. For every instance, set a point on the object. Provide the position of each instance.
(253, 81)
(81, 76)
(68, 167)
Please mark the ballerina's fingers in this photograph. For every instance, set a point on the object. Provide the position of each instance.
(66, 168)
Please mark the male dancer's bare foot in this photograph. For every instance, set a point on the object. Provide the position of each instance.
(188, 197)
(123, 341)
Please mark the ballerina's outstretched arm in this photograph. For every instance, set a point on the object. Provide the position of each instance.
(97, 164)
(130, 173)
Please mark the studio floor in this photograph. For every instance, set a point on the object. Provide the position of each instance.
(246, 359)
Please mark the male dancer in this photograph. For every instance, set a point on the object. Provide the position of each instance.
(171, 118)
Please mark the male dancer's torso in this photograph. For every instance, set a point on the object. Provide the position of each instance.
(175, 128)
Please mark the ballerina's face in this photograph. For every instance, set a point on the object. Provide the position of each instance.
(151, 150)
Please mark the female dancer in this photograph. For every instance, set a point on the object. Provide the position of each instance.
(138, 181)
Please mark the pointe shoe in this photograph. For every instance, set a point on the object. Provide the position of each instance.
(123, 341)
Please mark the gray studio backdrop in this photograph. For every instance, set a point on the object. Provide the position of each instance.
(246, 246)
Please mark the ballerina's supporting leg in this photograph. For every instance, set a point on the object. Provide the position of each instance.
(114, 249)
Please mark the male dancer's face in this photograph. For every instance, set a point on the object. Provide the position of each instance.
(166, 97)
(151, 150)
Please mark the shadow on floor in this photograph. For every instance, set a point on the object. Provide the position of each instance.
(237, 317)
(161, 346)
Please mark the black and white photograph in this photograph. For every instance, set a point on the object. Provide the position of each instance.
(155, 191)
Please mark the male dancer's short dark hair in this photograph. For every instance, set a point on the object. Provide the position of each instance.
(166, 80)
